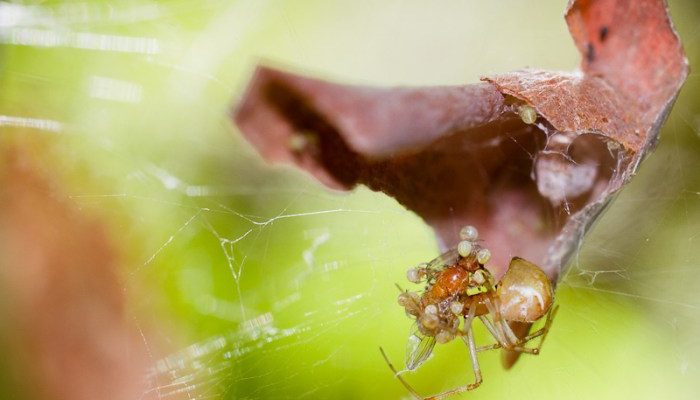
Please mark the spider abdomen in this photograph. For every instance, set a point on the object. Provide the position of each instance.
(525, 292)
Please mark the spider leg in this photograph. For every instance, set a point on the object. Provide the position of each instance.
(469, 340)
(504, 334)
(543, 331)
(488, 347)
(399, 377)
(518, 346)
(501, 342)
(471, 345)
(492, 330)
(512, 338)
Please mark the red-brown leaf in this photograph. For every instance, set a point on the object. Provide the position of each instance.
(458, 155)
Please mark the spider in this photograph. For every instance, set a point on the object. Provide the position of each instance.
(459, 286)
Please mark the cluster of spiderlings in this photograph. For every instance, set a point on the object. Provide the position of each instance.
(438, 308)
(432, 321)
(417, 274)
(438, 320)
(442, 324)
(469, 235)
(411, 302)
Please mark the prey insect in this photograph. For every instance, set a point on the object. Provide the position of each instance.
(459, 287)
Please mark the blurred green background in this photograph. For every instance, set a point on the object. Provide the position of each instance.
(252, 281)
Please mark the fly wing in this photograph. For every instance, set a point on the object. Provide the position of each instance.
(418, 348)
(445, 259)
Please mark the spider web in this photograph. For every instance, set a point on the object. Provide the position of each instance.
(262, 284)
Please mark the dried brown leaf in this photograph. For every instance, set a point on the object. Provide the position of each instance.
(458, 155)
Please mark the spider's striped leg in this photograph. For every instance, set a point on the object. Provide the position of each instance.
(518, 346)
(471, 344)
(543, 331)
